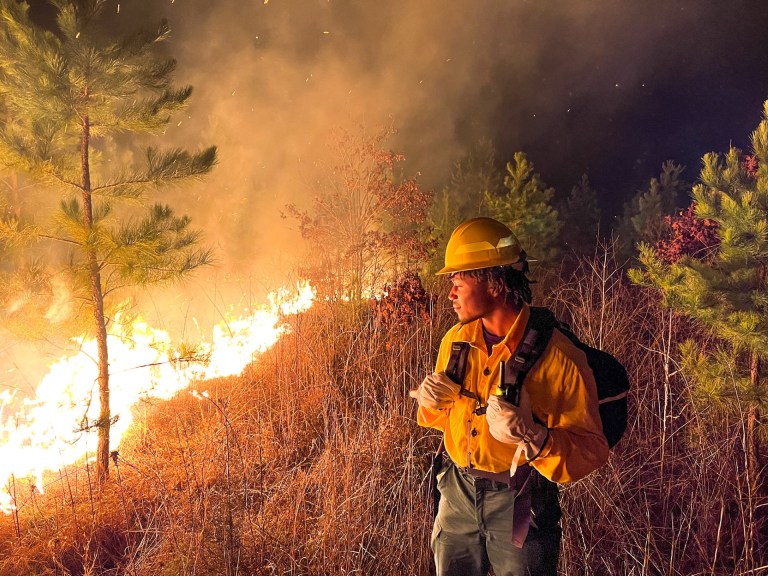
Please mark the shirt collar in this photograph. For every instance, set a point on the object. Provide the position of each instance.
(473, 332)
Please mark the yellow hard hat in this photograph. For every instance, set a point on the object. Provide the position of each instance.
(482, 243)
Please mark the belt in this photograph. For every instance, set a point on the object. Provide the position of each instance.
(494, 480)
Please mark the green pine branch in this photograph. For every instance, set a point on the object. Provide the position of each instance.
(526, 207)
(728, 294)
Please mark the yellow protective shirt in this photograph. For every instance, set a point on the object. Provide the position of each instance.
(563, 396)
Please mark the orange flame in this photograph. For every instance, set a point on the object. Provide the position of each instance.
(50, 430)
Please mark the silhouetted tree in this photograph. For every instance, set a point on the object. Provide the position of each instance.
(581, 234)
(473, 178)
(644, 215)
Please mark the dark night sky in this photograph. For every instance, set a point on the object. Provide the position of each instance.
(611, 88)
(681, 90)
(660, 80)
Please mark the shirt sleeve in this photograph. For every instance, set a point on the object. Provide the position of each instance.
(437, 418)
(576, 444)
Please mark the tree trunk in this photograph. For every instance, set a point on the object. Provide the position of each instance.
(753, 422)
(105, 415)
(97, 301)
(754, 469)
(753, 416)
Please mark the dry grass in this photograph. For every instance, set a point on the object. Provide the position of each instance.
(311, 463)
(672, 499)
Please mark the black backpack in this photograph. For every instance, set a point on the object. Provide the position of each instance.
(610, 376)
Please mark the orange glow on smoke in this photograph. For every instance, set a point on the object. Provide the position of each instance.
(50, 431)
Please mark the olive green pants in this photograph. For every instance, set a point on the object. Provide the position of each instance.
(473, 531)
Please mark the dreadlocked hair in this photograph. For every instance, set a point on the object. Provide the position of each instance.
(513, 284)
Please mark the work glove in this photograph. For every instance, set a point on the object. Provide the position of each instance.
(515, 425)
(436, 392)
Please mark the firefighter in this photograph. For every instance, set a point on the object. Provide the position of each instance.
(498, 496)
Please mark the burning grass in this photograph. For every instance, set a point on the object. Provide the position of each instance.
(311, 463)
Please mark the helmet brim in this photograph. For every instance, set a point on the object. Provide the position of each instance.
(518, 265)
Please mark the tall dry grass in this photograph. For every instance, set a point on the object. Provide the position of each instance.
(311, 462)
(673, 498)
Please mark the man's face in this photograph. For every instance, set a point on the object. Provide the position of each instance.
(471, 298)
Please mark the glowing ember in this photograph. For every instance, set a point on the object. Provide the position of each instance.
(51, 430)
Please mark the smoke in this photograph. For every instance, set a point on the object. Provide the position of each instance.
(61, 307)
(583, 86)
(567, 82)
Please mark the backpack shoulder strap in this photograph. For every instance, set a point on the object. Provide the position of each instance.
(537, 333)
(457, 366)
(457, 363)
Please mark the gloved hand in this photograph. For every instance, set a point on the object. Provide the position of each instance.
(436, 392)
(515, 425)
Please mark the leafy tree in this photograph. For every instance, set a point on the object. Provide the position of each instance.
(367, 223)
(70, 95)
(686, 234)
(726, 289)
(526, 207)
(402, 302)
(582, 204)
(473, 178)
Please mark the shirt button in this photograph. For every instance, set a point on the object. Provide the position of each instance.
(487, 371)
(474, 431)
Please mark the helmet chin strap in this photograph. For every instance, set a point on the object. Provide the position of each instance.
(524, 261)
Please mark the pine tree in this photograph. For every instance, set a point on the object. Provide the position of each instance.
(69, 95)
(582, 202)
(644, 215)
(725, 288)
(473, 177)
(526, 208)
